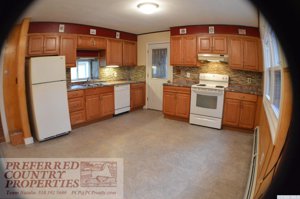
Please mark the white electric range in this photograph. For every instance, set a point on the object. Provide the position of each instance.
(207, 100)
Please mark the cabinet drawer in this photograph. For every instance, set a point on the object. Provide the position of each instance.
(77, 117)
(106, 89)
(137, 85)
(74, 94)
(241, 96)
(76, 104)
(92, 91)
(177, 89)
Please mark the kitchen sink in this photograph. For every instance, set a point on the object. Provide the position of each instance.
(94, 84)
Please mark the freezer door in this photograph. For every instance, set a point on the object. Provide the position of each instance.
(47, 69)
(50, 109)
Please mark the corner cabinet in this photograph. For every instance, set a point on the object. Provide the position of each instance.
(137, 96)
(245, 53)
(68, 46)
(176, 102)
(183, 50)
(129, 53)
(212, 44)
(43, 44)
(239, 110)
(114, 55)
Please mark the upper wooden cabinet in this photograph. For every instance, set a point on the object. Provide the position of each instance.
(183, 50)
(244, 53)
(91, 42)
(212, 44)
(114, 51)
(68, 46)
(43, 44)
(129, 53)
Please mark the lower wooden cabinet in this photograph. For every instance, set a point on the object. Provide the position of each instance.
(176, 101)
(99, 102)
(76, 107)
(137, 95)
(239, 110)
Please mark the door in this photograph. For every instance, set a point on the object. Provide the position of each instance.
(51, 45)
(170, 103)
(92, 106)
(50, 109)
(114, 52)
(231, 112)
(204, 45)
(107, 104)
(182, 105)
(250, 54)
(189, 47)
(247, 116)
(129, 53)
(159, 72)
(35, 44)
(236, 53)
(68, 45)
(219, 45)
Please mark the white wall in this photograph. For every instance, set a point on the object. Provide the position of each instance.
(144, 40)
(2, 109)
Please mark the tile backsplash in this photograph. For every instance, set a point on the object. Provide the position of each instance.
(136, 73)
(235, 76)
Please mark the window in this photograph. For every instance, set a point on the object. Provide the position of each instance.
(85, 68)
(159, 63)
(273, 65)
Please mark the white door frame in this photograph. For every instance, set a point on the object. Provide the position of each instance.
(170, 73)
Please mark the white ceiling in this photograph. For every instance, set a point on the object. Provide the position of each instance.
(123, 15)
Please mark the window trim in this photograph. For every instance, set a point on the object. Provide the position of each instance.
(89, 72)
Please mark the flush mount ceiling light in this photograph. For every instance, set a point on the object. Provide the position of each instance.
(148, 7)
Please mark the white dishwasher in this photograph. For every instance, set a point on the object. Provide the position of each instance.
(122, 98)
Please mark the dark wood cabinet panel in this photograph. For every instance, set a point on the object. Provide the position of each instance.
(68, 46)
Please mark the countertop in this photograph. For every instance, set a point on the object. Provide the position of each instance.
(232, 88)
(103, 84)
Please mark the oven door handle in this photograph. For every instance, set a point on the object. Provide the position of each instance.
(208, 93)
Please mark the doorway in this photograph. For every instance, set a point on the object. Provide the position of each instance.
(159, 72)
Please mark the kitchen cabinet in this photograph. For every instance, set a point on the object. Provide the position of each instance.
(129, 53)
(114, 51)
(244, 53)
(183, 50)
(176, 102)
(239, 110)
(68, 46)
(76, 107)
(90, 42)
(99, 102)
(212, 44)
(43, 44)
(137, 95)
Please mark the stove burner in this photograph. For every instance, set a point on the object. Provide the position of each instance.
(219, 86)
(201, 85)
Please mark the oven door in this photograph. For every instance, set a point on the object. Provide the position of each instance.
(207, 103)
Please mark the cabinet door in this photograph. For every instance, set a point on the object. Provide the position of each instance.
(236, 53)
(107, 104)
(68, 46)
(129, 53)
(250, 54)
(35, 45)
(101, 43)
(86, 42)
(114, 52)
(231, 112)
(189, 46)
(76, 104)
(219, 45)
(51, 45)
(169, 103)
(182, 105)
(138, 97)
(92, 105)
(204, 44)
(247, 114)
(77, 117)
(176, 56)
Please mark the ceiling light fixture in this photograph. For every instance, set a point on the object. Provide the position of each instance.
(148, 7)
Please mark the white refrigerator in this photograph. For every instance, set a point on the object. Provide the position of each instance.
(49, 111)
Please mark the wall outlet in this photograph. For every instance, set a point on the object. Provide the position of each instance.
(249, 80)
(188, 75)
(115, 74)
